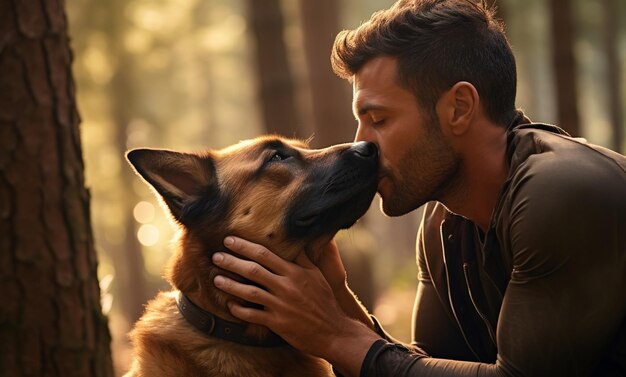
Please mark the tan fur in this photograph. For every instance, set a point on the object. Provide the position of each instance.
(165, 344)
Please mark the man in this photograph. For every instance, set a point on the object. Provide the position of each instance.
(522, 249)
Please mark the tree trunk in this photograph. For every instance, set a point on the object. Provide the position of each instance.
(51, 322)
(331, 96)
(564, 65)
(275, 83)
(614, 79)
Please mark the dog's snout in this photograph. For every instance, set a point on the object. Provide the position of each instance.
(364, 149)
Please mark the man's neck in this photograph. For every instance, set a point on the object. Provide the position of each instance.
(484, 169)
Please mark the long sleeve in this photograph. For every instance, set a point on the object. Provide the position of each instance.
(386, 359)
(563, 312)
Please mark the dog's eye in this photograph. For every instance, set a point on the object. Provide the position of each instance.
(278, 156)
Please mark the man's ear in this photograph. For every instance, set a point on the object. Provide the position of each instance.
(458, 106)
(179, 178)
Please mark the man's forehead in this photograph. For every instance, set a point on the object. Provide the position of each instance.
(377, 71)
(376, 77)
(371, 98)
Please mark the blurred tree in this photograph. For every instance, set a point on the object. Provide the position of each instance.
(51, 322)
(614, 80)
(126, 256)
(332, 111)
(564, 65)
(275, 83)
(333, 123)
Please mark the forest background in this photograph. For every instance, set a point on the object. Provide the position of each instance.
(192, 74)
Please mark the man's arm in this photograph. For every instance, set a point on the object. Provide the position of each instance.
(561, 309)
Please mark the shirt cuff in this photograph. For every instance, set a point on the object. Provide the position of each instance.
(376, 346)
(390, 359)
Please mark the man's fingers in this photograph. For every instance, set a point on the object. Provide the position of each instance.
(257, 253)
(248, 269)
(249, 293)
(251, 315)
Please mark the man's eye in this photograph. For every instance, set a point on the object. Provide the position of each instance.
(378, 122)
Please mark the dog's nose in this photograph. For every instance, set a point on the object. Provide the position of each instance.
(364, 149)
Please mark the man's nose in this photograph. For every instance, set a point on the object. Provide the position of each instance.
(362, 135)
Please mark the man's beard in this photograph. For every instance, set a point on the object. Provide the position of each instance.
(430, 170)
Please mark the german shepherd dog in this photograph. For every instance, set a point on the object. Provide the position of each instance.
(273, 191)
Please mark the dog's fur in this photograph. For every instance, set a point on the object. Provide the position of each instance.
(269, 190)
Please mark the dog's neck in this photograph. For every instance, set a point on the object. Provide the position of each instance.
(214, 326)
(211, 300)
(192, 273)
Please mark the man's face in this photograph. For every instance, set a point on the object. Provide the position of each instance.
(416, 162)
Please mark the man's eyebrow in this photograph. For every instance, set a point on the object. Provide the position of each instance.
(365, 108)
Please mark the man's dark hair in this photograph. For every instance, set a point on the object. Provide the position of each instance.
(437, 43)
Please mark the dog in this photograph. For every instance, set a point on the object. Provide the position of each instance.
(270, 190)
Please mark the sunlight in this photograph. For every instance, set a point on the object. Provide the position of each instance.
(148, 235)
(223, 36)
(138, 41)
(385, 313)
(97, 64)
(144, 212)
(146, 16)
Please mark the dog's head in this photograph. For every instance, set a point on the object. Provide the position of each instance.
(273, 191)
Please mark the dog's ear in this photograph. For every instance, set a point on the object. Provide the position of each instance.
(180, 178)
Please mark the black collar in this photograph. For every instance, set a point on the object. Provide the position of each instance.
(212, 325)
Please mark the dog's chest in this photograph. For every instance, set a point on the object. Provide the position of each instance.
(253, 362)
(167, 345)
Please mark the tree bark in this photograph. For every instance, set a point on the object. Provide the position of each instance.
(564, 65)
(51, 322)
(331, 96)
(276, 89)
(614, 79)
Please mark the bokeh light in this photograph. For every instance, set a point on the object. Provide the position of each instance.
(148, 235)
(144, 212)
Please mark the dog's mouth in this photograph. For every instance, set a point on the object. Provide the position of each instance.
(332, 195)
(333, 204)
(307, 220)
(333, 201)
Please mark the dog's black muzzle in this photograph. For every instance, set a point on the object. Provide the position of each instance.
(337, 192)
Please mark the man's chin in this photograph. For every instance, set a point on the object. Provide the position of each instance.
(395, 208)
(390, 210)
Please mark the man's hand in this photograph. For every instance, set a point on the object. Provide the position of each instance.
(332, 268)
(298, 302)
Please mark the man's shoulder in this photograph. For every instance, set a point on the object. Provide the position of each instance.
(541, 159)
(563, 197)
(557, 184)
